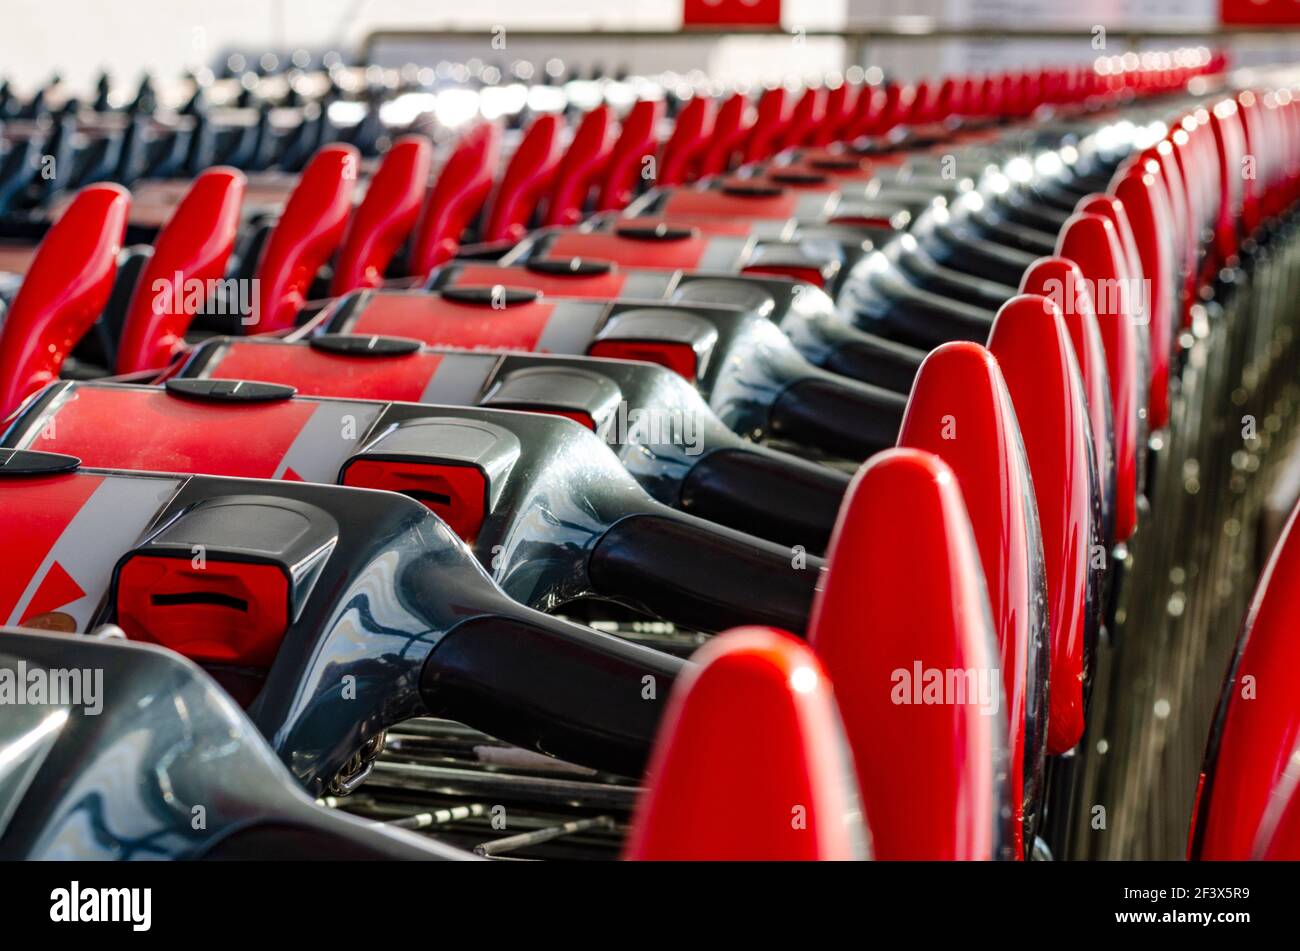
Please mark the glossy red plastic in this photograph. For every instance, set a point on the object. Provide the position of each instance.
(440, 322)
(1091, 242)
(385, 216)
(192, 250)
(685, 251)
(1152, 222)
(559, 284)
(929, 771)
(1251, 760)
(752, 723)
(808, 113)
(456, 494)
(225, 612)
(587, 155)
(1033, 349)
(65, 288)
(1061, 281)
(730, 130)
(1230, 149)
(773, 117)
(838, 111)
(314, 372)
(960, 410)
(526, 179)
(308, 232)
(456, 198)
(690, 135)
(1279, 840)
(630, 162)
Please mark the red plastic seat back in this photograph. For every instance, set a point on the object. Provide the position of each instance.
(385, 216)
(192, 250)
(752, 724)
(1061, 281)
(773, 118)
(308, 232)
(837, 113)
(1092, 243)
(66, 286)
(1032, 346)
(1251, 753)
(729, 132)
(808, 115)
(587, 154)
(456, 198)
(631, 159)
(1152, 224)
(690, 134)
(525, 180)
(960, 410)
(929, 766)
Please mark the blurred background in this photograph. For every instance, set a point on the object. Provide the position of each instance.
(908, 38)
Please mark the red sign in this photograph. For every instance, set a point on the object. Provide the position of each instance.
(738, 13)
(1257, 11)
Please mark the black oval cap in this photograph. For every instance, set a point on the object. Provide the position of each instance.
(497, 295)
(836, 164)
(26, 462)
(230, 391)
(364, 345)
(757, 190)
(657, 232)
(570, 267)
(797, 178)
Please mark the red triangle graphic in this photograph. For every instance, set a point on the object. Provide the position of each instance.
(291, 476)
(56, 590)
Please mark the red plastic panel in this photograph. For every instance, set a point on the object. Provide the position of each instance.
(684, 252)
(960, 410)
(385, 217)
(456, 494)
(168, 434)
(456, 198)
(690, 135)
(1091, 241)
(1251, 760)
(773, 117)
(443, 323)
(598, 286)
(1152, 222)
(64, 290)
(1032, 346)
(191, 251)
(225, 612)
(719, 203)
(631, 160)
(729, 132)
(753, 723)
(586, 157)
(36, 513)
(525, 181)
(308, 232)
(317, 373)
(927, 763)
(681, 358)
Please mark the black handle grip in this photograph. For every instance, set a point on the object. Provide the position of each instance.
(844, 417)
(701, 575)
(775, 496)
(547, 684)
(875, 360)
